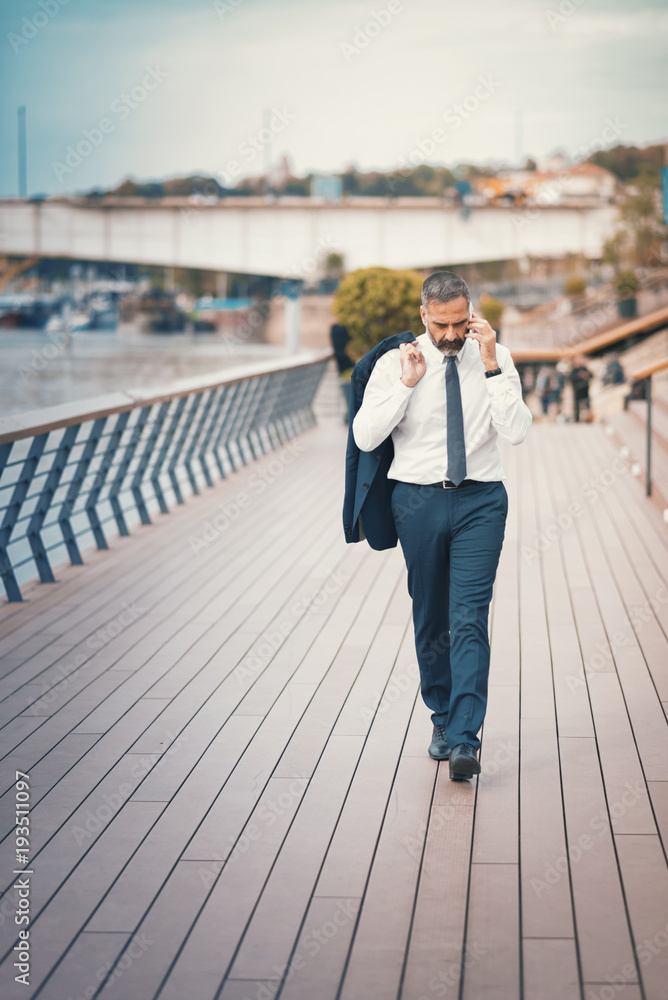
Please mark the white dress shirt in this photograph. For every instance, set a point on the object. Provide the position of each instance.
(416, 417)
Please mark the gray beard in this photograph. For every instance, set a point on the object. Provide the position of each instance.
(453, 347)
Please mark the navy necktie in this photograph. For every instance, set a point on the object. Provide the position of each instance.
(455, 417)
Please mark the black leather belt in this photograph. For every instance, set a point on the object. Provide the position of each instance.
(447, 485)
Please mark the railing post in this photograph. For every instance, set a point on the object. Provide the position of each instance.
(101, 477)
(12, 514)
(42, 507)
(648, 396)
(178, 448)
(213, 424)
(157, 468)
(117, 484)
(111, 460)
(144, 461)
(206, 409)
(65, 514)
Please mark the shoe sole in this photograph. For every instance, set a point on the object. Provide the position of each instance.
(435, 756)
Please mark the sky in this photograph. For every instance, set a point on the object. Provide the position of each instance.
(160, 88)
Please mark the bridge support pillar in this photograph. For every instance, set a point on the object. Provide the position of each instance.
(293, 313)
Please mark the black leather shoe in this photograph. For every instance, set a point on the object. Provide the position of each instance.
(463, 762)
(438, 748)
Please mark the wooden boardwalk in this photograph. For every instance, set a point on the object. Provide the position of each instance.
(231, 795)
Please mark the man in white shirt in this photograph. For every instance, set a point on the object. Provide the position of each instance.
(444, 399)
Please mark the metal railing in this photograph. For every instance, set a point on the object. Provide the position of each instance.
(72, 474)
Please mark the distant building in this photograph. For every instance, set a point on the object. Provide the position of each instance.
(583, 180)
(327, 186)
(554, 186)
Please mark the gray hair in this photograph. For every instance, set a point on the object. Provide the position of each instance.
(442, 286)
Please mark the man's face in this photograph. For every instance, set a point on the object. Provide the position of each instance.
(447, 323)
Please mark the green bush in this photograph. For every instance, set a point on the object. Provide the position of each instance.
(626, 284)
(375, 303)
(575, 286)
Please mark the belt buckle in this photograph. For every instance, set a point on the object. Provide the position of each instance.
(449, 486)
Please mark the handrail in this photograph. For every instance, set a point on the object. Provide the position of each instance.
(649, 322)
(642, 373)
(69, 471)
(49, 418)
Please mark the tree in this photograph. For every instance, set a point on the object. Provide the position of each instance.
(377, 302)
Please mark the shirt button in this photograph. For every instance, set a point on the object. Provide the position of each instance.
(365, 486)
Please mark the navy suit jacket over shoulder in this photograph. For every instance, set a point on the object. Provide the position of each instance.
(367, 486)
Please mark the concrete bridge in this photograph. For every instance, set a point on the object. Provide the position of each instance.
(216, 723)
(290, 237)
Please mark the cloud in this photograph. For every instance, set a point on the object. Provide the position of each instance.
(604, 60)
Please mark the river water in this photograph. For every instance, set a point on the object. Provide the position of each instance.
(37, 370)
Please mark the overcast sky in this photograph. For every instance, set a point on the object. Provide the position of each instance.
(350, 87)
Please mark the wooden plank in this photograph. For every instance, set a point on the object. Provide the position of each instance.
(54, 928)
(546, 899)
(557, 511)
(350, 854)
(162, 931)
(381, 937)
(600, 916)
(645, 879)
(493, 934)
(550, 969)
(498, 793)
(85, 965)
(645, 711)
(439, 920)
(285, 507)
(320, 954)
(287, 881)
(658, 791)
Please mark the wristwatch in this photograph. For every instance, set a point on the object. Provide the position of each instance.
(494, 371)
